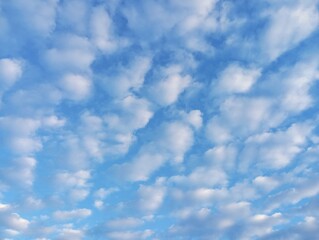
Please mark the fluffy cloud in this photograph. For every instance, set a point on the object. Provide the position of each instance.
(141, 167)
(195, 118)
(74, 14)
(71, 53)
(70, 233)
(130, 235)
(176, 138)
(102, 32)
(75, 184)
(10, 71)
(266, 183)
(236, 79)
(151, 197)
(21, 173)
(35, 24)
(173, 141)
(11, 222)
(124, 223)
(127, 78)
(167, 91)
(20, 134)
(301, 190)
(38, 101)
(188, 26)
(304, 229)
(289, 25)
(73, 214)
(240, 116)
(276, 150)
(76, 87)
(102, 192)
(129, 115)
(179, 119)
(202, 176)
(78, 179)
(134, 113)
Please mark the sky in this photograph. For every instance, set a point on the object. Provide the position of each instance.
(159, 119)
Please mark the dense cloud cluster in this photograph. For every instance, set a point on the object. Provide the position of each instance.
(159, 119)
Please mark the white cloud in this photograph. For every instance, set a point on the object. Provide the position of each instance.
(166, 91)
(102, 193)
(103, 37)
(38, 100)
(12, 220)
(72, 54)
(129, 235)
(226, 220)
(85, 144)
(188, 26)
(171, 142)
(293, 82)
(70, 233)
(236, 79)
(142, 166)
(133, 113)
(32, 202)
(73, 214)
(76, 87)
(222, 157)
(266, 183)
(127, 78)
(250, 113)
(153, 21)
(77, 195)
(74, 15)
(10, 72)
(204, 196)
(195, 118)
(297, 83)
(11, 232)
(73, 179)
(74, 153)
(261, 225)
(53, 121)
(302, 188)
(176, 138)
(151, 197)
(232, 159)
(75, 184)
(202, 176)
(21, 173)
(276, 150)
(242, 116)
(25, 144)
(124, 223)
(129, 115)
(220, 160)
(289, 24)
(34, 16)
(305, 229)
(217, 132)
(92, 135)
(20, 134)
(99, 204)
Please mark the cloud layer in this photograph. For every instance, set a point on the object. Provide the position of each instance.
(159, 119)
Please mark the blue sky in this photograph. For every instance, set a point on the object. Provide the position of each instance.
(157, 120)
